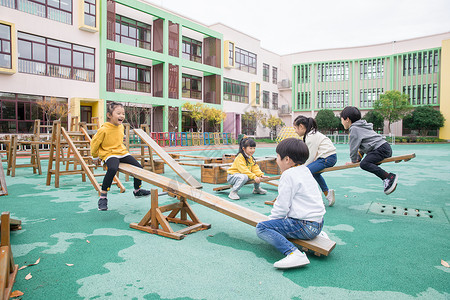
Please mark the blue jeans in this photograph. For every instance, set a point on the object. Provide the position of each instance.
(276, 232)
(320, 164)
(238, 180)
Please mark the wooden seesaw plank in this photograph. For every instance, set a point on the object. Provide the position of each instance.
(186, 176)
(396, 159)
(319, 245)
(229, 186)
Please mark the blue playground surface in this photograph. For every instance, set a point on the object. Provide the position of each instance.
(380, 253)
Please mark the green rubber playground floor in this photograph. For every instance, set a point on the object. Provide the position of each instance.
(87, 254)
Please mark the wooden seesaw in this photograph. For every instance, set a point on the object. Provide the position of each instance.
(154, 217)
(395, 159)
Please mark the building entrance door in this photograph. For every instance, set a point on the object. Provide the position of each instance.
(85, 113)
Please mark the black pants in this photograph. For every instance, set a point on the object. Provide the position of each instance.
(113, 165)
(369, 163)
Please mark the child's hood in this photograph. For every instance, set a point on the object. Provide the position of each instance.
(362, 124)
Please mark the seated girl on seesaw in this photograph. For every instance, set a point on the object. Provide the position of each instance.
(299, 210)
(322, 153)
(107, 144)
(244, 167)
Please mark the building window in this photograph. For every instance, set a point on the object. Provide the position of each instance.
(274, 75)
(422, 94)
(303, 73)
(274, 101)
(5, 46)
(18, 112)
(236, 91)
(90, 13)
(304, 100)
(266, 99)
(133, 33)
(47, 57)
(231, 54)
(56, 10)
(332, 99)
(334, 71)
(192, 87)
(369, 96)
(266, 72)
(192, 49)
(371, 69)
(246, 61)
(132, 77)
(424, 62)
(258, 92)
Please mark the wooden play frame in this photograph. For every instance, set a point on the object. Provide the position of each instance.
(8, 270)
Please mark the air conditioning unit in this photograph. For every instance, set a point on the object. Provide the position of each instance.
(284, 109)
(284, 84)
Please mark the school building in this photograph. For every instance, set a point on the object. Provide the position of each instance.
(86, 53)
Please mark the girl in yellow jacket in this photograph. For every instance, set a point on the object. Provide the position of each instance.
(245, 168)
(107, 144)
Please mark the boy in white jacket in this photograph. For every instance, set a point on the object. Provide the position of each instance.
(299, 210)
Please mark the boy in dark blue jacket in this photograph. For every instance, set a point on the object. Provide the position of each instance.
(363, 139)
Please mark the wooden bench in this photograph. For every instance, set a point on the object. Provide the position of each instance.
(319, 245)
(8, 270)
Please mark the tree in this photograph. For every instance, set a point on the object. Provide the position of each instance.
(326, 120)
(216, 116)
(376, 119)
(423, 119)
(52, 108)
(250, 120)
(392, 106)
(197, 113)
(272, 123)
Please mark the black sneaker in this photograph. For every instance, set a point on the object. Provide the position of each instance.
(102, 204)
(141, 193)
(390, 183)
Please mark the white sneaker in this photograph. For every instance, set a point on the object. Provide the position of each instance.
(295, 259)
(330, 197)
(234, 196)
(259, 191)
(324, 234)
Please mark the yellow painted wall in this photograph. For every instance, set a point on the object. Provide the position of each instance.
(98, 107)
(444, 97)
(253, 94)
(13, 69)
(226, 50)
(83, 26)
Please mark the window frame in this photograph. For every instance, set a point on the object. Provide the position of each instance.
(10, 41)
(138, 84)
(190, 92)
(140, 27)
(237, 91)
(50, 68)
(189, 54)
(266, 69)
(249, 60)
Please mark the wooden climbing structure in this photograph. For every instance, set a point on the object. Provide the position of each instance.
(8, 269)
(77, 146)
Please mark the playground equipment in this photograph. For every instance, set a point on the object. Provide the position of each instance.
(77, 144)
(154, 218)
(8, 270)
